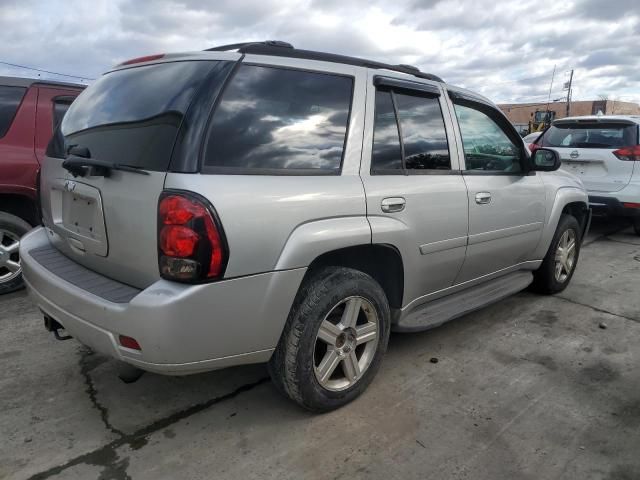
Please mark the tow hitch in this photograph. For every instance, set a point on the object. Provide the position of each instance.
(53, 326)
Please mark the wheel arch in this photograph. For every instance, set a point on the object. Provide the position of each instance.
(570, 200)
(21, 206)
(383, 262)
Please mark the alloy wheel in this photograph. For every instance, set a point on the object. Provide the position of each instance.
(9, 256)
(346, 343)
(565, 258)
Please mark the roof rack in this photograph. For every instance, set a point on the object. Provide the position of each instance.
(284, 49)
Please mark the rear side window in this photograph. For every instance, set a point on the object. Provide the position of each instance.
(132, 116)
(10, 98)
(424, 145)
(590, 135)
(60, 107)
(277, 120)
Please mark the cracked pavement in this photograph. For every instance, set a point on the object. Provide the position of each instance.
(531, 387)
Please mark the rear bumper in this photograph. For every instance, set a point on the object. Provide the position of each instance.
(181, 328)
(611, 206)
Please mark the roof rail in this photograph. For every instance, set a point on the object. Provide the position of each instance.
(243, 45)
(284, 49)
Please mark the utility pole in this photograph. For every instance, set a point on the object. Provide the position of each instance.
(569, 94)
(547, 119)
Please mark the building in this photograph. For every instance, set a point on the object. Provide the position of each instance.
(520, 114)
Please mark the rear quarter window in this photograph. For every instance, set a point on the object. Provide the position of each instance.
(590, 135)
(10, 98)
(281, 121)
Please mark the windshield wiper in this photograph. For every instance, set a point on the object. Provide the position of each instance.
(79, 161)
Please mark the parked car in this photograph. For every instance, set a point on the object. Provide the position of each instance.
(260, 203)
(604, 151)
(531, 138)
(29, 111)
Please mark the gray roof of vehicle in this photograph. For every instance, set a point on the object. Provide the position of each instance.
(27, 82)
(600, 118)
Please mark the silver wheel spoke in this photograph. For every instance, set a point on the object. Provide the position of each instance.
(351, 367)
(12, 266)
(366, 333)
(11, 248)
(351, 312)
(328, 332)
(558, 270)
(328, 365)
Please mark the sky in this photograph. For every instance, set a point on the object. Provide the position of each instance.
(504, 49)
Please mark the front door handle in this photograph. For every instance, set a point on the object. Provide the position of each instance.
(482, 198)
(392, 204)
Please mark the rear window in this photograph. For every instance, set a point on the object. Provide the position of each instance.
(60, 107)
(10, 98)
(132, 116)
(590, 135)
(278, 120)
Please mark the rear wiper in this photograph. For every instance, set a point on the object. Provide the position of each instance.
(78, 166)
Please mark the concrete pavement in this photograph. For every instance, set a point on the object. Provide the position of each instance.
(530, 388)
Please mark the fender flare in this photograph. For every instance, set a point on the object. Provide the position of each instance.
(563, 197)
(311, 239)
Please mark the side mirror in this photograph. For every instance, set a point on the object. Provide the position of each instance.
(545, 160)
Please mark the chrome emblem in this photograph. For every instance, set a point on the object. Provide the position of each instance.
(574, 154)
(69, 185)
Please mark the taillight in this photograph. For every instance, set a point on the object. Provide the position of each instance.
(191, 243)
(631, 154)
(146, 58)
(533, 147)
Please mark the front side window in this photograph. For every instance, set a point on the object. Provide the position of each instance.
(421, 144)
(280, 119)
(486, 145)
(10, 98)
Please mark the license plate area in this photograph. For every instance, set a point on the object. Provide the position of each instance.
(78, 216)
(585, 167)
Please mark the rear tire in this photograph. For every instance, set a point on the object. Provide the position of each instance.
(334, 339)
(636, 225)
(561, 259)
(12, 228)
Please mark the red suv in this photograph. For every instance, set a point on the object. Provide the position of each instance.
(30, 110)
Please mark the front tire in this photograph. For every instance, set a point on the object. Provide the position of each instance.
(561, 259)
(12, 228)
(334, 339)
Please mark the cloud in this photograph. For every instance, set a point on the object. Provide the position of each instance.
(504, 49)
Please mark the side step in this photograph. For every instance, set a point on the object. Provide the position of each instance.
(435, 313)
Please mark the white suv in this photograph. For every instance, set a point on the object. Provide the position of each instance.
(604, 152)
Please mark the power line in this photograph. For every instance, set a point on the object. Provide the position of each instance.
(46, 71)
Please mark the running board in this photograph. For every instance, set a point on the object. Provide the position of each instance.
(435, 313)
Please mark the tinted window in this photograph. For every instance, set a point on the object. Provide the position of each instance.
(386, 152)
(585, 135)
(423, 133)
(486, 145)
(60, 107)
(132, 116)
(275, 118)
(10, 98)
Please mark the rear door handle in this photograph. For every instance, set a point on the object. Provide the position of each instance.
(482, 198)
(392, 204)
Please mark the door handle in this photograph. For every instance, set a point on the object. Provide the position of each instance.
(392, 204)
(482, 198)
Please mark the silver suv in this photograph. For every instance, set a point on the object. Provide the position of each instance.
(260, 203)
(604, 152)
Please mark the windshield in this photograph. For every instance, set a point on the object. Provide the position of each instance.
(590, 135)
(132, 116)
